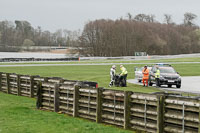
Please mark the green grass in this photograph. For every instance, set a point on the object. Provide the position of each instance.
(97, 73)
(19, 115)
(188, 69)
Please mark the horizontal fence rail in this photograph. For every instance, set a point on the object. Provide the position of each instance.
(47, 96)
(154, 113)
(181, 114)
(87, 103)
(144, 112)
(66, 101)
(113, 107)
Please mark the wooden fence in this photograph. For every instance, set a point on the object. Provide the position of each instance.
(161, 113)
(181, 114)
(27, 85)
(135, 111)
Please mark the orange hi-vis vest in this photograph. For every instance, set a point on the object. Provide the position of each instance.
(145, 74)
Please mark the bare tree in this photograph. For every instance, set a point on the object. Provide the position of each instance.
(168, 18)
(150, 18)
(140, 17)
(145, 18)
(189, 18)
(129, 15)
(123, 37)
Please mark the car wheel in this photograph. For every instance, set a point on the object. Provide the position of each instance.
(139, 81)
(178, 86)
(169, 86)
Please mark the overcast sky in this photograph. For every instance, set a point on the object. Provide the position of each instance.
(73, 14)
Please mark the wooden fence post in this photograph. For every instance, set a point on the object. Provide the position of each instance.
(160, 113)
(127, 110)
(35, 85)
(99, 105)
(56, 97)
(18, 85)
(31, 86)
(8, 82)
(199, 117)
(76, 98)
(61, 80)
(39, 95)
(0, 81)
(45, 79)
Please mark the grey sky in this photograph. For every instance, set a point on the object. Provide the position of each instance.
(73, 14)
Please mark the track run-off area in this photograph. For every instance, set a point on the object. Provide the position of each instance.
(190, 84)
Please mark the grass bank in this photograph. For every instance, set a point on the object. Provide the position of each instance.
(19, 115)
(98, 73)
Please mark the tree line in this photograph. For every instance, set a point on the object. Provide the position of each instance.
(105, 37)
(141, 33)
(18, 34)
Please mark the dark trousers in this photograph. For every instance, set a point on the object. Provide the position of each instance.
(123, 80)
(157, 82)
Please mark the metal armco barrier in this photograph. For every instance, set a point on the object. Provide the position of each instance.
(37, 59)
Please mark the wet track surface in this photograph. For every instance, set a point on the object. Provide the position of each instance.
(190, 84)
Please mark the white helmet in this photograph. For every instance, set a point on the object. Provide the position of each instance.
(113, 66)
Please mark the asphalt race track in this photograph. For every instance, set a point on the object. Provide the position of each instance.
(190, 84)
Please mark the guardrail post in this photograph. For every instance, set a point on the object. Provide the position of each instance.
(56, 97)
(160, 113)
(76, 98)
(127, 110)
(18, 85)
(0, 81)
(39, 95)
(99, 105)
(31, 86)
(8, 82)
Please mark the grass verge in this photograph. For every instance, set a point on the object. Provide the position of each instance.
(19, 115)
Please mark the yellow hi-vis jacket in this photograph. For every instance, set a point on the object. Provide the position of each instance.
(124, 71)
(157, 74)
